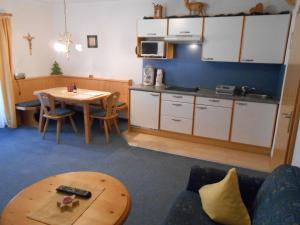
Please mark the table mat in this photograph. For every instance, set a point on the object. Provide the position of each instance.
(50, 214)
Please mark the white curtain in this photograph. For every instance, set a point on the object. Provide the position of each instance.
(3, 121)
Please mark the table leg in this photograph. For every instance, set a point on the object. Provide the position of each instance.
(87, 128)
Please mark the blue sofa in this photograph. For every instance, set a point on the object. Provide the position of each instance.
(274, 200)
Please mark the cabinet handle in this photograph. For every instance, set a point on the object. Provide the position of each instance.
(288, 116)
(176, 120)
(154, 95)
(214, 100)
(202, 108)
(248, 60)
(151, 34)
(208, 59)
(184, 32)
(177, 104)
(177, 96)
(241, 103)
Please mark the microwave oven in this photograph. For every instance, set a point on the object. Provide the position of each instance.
(152, 49)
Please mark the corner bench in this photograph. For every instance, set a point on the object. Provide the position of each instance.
(29, 109)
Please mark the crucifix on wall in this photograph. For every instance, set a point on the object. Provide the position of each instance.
(29, 38)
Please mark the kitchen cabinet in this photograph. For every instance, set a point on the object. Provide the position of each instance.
(265, 38)
(222, 39)
(253, 123)
(152, 28)
(144, 109)
(213, 118)
(185, 26)
(177, 113)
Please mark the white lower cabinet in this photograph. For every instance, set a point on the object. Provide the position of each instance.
(253, 123)
(144, 109)
(213, 121)
(177, 113)
(175, 124)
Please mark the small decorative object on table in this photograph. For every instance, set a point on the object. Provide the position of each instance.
(68, 202)
(158, 10)
(198, 8)
(56, 70)
(74, 88)
(258, 9)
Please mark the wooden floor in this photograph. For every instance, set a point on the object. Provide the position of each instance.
(199, 151)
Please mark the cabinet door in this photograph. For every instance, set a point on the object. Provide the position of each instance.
(253, 123)
(186, 26)
(212, 122)
(222, 39)
(265, 38)
(175, 124)
(152, 28)
(144, 109)
(177, 109)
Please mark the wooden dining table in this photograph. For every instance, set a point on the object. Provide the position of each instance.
(83, 96)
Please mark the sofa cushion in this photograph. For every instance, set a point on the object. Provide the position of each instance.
(223, 203)
(278, 200)
(187, 210)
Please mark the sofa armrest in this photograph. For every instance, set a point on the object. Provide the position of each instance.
(249, 185)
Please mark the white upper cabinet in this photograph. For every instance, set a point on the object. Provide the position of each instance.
(152, 28)
(222, 39)
(265, 38)
(185, 26)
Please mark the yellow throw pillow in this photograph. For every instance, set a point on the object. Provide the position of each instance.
(223, 203)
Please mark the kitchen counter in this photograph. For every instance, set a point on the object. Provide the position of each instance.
(209, 93)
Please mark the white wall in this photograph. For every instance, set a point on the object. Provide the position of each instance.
(113, 21)
(36, 18)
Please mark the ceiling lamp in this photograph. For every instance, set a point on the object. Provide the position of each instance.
(65, 41)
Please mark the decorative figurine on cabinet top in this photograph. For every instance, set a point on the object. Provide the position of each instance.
(158, 10)
(198, 8)
(258, 9)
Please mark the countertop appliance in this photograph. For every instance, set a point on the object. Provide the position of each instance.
(152, 49)
(225, 89)
(148, 76)
(184, 89)
(159, 77)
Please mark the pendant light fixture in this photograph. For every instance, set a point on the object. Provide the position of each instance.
(65, 41)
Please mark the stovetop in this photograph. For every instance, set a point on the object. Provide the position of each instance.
(177, 88)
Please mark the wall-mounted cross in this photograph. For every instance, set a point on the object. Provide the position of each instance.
(29, 38)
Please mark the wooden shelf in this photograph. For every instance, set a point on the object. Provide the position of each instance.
(168, 47)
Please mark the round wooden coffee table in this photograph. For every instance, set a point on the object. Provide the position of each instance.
(111, 207)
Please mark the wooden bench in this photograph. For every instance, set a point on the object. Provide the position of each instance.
(27, 116)
(24, 89)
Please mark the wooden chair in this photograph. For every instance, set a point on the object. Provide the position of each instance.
(50, 112)
(109, 115)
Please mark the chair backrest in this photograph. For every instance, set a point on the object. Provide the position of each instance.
(111, 104)
(47, 103)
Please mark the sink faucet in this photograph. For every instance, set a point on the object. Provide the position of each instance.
(246, 90)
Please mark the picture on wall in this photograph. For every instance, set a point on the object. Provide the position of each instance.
(92, 41)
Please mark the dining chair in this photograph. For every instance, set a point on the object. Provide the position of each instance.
(50, 112)
(108, 115)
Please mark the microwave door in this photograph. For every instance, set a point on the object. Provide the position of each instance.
(149, 49)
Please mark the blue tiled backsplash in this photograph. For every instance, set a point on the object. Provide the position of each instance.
(187, 70)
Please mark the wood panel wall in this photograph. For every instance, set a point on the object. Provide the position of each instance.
(23, 89)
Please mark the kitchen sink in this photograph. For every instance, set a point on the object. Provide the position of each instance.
(261, 96)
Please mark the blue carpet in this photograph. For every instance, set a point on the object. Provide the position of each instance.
(154, 179)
